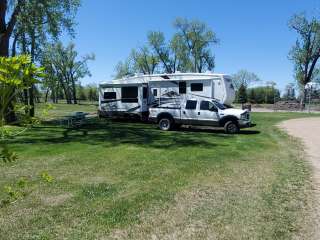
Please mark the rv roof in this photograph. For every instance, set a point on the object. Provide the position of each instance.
(168, 77)
(118, 85)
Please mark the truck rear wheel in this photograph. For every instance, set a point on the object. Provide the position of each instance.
(231, 127)
(165, 124)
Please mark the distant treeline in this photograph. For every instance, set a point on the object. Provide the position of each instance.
(260, 95)
(83, 93)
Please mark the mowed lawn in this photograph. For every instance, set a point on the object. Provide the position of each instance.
(119, 180)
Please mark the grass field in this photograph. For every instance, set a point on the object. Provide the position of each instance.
(118, 180)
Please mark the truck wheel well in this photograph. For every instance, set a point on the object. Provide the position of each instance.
(226, 119)
(164, 115)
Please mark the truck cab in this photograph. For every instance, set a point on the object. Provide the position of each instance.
(201, 112)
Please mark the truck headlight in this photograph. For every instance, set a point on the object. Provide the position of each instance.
(245, 116)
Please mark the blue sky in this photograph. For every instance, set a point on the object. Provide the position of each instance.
(253, 34)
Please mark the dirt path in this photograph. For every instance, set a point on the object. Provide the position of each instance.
(308, 130)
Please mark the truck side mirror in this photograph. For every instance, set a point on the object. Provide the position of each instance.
(213, 109)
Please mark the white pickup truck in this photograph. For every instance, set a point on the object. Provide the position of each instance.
(200, 111)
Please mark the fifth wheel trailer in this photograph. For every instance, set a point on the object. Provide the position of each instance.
(133, 96)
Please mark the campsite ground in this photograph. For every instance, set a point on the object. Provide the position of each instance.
(124, 180)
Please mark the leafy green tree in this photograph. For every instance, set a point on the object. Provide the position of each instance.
(35, 18)
(174, 55)
(263, 94)
(124, 68)
(306, 52)
(144, 61)
(290, 92)
(30, 24)
(242, 94)
(245, 78)
(189, 50)
(93, 93)
(251, 95)
(162, 50)
(63, 64)
(81, 92)
(198, 38)
(16, 74)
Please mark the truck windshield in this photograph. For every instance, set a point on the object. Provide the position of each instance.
(219, 105)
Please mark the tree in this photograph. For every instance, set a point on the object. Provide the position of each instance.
(7, 26)
(173, 55)
(92, 93)
(63, 65)
(159, 46)
(144, 61)
(290, 93)
(263, 94)
(16, 74)
(189, 50)
(39, 21)
(198, 38)
(81, 92)
(37, 16)
(244, 78)
(251, 95)
(30, 24)
(306, 52)
(242, 94)
(123, 69)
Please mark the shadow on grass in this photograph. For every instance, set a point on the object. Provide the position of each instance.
(113, 133)
(215, 131)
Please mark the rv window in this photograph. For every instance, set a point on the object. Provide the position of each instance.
(208, 106)
(196, 87)
(191, 104)
(155, 92)
(145, 92)
(182, 87)
(109, 95)
(129, 94)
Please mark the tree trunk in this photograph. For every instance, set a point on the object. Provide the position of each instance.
(31, 101)
(31, 89)
(25, 91)
(4, 45)
(66, 92)
(46, 96)
(74, 91)
(14, 46)
(26, 100)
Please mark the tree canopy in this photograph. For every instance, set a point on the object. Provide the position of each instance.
(16, 74)
(244, 78)
(189, 50)
(65, 68)
(34, 19)
(306, 51)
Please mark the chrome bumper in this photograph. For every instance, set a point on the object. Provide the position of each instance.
(244, 123)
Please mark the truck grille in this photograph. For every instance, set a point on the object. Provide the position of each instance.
(246, 116)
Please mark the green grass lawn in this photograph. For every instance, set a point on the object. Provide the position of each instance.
(118, 180)
(52, 111)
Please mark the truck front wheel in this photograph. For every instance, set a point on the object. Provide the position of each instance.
(231, 127)
(165, 124)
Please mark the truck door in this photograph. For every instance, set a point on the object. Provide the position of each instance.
(189, 112)
(208, 114)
